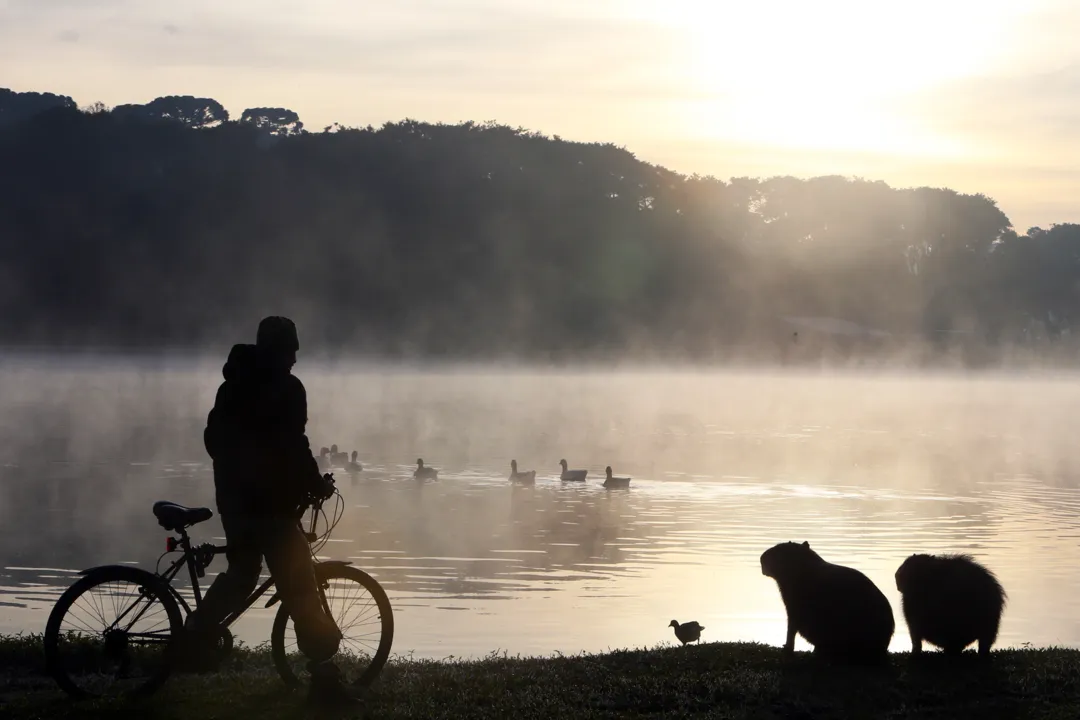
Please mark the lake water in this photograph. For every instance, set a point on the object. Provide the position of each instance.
(867, 468)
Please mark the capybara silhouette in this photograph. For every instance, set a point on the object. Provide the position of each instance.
(836, 609)
(950, 601)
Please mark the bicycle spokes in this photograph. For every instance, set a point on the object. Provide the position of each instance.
(362, 612)
(112, 636)
(357, 616)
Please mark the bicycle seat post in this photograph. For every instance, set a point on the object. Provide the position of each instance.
(195, 570)
(185, 541)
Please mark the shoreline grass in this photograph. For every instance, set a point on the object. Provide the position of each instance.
(722, 680)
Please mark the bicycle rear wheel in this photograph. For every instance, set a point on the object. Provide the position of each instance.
(362, 612)
(112, 633)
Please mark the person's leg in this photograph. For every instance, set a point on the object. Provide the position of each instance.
(229, 589)
(288, 557)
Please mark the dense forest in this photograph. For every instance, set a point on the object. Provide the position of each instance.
(171, 225)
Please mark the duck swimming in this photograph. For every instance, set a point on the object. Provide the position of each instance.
(688, 631)
(353, 465)
(615, 482)
(528, 477)
(572, 475)
(338, 459)
(425, 473)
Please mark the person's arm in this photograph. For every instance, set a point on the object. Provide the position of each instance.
(212, 439)
(294, 434)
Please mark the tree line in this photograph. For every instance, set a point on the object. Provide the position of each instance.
(171, 225)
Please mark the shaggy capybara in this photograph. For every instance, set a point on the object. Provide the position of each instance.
(950, 601)
(836, 609)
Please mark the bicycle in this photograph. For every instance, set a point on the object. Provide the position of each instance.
(135, 651)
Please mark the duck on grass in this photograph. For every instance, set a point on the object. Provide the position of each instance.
(687, 632)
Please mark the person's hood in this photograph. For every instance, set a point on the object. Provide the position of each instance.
(241, 363)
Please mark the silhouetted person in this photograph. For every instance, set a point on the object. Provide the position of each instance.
(264, 473)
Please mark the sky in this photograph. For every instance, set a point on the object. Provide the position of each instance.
(976, 95)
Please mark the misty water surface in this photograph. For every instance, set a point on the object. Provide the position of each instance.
(868, 469)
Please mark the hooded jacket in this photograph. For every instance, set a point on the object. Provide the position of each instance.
(256, 436)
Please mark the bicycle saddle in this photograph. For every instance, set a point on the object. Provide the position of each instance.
(177, 517)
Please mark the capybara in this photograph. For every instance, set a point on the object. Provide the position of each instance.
(836, 609)
(950, 601)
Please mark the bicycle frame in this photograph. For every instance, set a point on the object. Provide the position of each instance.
(194, 558)
(154, 592)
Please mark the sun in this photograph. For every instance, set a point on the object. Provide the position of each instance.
(829, 74)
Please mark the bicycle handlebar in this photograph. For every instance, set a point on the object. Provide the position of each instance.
(314, 504)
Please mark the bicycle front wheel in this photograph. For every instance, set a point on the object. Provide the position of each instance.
(362, 612)
(112, 633)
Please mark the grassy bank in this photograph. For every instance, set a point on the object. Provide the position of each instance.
(713, 680)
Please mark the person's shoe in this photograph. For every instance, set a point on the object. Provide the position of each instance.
(328, 690)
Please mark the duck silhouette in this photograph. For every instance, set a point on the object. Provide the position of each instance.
(338, 459)
(615, 482)
(527, 477)
(353, 465)
(572, 475)
(425, 473)
(688, 631)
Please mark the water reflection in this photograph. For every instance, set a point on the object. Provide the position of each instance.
(867, 470)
